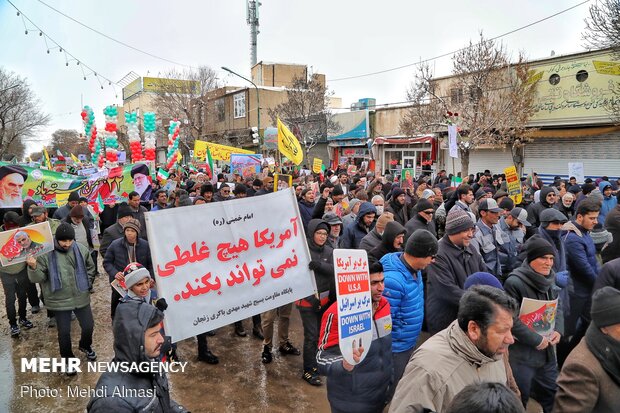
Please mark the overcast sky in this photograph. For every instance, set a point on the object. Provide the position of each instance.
(338, 38)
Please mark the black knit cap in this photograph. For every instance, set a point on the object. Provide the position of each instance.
(538, 247)
(421, 244)
(74, 196)
(605, 307)
(65, 232)
(422, 205)
(124, 211)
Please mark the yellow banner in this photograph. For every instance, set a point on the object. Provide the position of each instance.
(218, 152)
(288, 144)
(316, 165)
(606, 68)
(514, 184)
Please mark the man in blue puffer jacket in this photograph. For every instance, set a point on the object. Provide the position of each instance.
(404, 291)
(609, 200)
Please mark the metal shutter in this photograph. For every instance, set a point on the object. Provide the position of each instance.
(550, 156)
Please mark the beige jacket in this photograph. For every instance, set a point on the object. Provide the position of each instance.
(584, 386)
(441, 368)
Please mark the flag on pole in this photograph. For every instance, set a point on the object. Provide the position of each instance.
(288, 144)
(59, 155)
(75, 158)
(48, 162)
(209, 160)
(162, 175)
(192, 168)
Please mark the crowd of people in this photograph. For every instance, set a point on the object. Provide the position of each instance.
(477, 301)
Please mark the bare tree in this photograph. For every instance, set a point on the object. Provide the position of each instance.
(20, 114)
(603, 31)
(603, 26)
(493, 98)
(68, 141)
(185, 101)
(306, 111)
(426, 112)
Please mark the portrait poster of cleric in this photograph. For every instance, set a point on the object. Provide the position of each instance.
(223, 262)
(18, 244)
(12, 178)
(142, 181)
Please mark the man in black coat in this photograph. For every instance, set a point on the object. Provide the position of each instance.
(423, 218)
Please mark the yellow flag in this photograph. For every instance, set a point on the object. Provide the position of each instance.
(75, 159)
(47, 158)
(288, 144)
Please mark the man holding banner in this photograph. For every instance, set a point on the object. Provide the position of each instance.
(362, 387)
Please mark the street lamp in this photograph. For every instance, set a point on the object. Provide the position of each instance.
(257, 99)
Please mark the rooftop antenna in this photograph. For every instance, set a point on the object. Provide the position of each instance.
(252, 19)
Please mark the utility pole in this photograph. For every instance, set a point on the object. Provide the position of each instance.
(252, 19)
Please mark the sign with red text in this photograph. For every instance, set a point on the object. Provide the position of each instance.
(354, 302)
(222, 262)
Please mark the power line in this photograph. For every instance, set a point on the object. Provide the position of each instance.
(113, 39)
(458, 50)
(62, 49)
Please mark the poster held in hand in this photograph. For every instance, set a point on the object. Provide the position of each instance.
(354, 302)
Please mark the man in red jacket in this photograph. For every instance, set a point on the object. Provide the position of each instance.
(362, 388)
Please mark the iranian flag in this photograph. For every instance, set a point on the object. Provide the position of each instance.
(162, 175)
(209, 160)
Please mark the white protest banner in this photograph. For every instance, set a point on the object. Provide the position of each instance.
(222, 262)
(454, 153)
(354, 302)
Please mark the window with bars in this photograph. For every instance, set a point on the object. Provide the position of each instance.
(239, 105)
(220, 110)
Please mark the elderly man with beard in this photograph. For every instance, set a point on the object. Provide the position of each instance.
(12, 179)
(469, 351)
(142, 181)
(532, 357)
(66, 274)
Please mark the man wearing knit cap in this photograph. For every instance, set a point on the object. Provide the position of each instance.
(404, 289)
(122, 251)
(12, 178)
(267, 186)
(532, 357)
(115, 231)
(374, 237)
(456, 260)
(354, 207)
(423, 218)
(66, 274)
(590, 378)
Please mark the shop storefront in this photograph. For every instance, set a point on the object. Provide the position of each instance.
(396, 153)
(349, 144)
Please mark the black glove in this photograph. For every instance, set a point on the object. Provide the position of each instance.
(161, 304)
(314, 265)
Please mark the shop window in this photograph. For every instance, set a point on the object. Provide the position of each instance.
(582, 75)
(554, 79)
